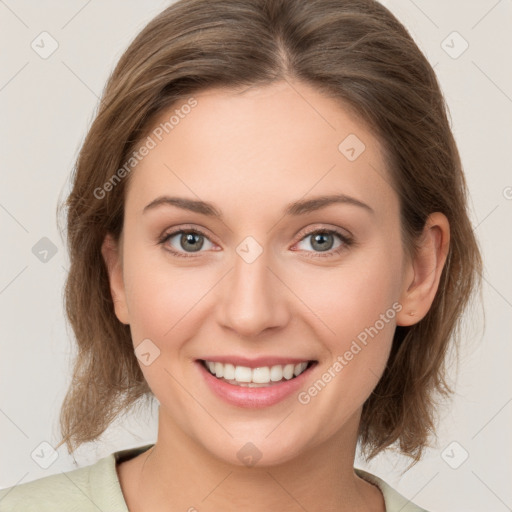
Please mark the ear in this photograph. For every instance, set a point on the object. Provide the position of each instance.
(112, 255)
(424, 271)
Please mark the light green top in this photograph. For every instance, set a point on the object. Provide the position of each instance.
(96, 488)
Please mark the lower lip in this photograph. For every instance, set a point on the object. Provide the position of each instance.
(242, 396)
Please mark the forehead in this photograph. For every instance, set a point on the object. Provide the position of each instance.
(272, 143)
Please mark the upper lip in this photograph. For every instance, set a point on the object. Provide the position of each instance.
(257, 362)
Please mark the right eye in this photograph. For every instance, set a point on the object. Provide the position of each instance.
(188, 240)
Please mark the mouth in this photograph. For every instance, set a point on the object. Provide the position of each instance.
(252, 376)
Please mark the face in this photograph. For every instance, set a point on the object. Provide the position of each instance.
(269, 281)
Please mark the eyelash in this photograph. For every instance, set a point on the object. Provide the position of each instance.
(347, 242)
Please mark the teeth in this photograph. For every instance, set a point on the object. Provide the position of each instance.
(229, 371)
(251, 377)
(261, 375)
(242, 373)
(219, 369)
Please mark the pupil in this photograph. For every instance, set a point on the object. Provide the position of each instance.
(190, 238)
(322, 245)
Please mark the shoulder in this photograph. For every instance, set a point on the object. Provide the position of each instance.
(394, 501)
(94, 487)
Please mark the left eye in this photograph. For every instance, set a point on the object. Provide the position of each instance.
(323, 240)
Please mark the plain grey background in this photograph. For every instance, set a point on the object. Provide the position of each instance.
(47, 104)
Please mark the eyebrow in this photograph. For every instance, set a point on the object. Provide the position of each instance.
(300, 207)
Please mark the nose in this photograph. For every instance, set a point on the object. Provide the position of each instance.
(253, 298)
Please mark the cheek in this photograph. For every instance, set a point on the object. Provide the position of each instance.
(353, 296)
(356, 305)
(163, 297)
(163, 302)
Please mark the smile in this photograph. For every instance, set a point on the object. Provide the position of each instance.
(255, 377)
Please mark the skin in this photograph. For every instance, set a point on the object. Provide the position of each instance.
(251, 152)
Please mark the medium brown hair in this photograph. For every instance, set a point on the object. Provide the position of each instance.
(355, 51)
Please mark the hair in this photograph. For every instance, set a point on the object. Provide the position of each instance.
(354, 51)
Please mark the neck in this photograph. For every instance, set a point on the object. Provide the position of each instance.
(180, 473)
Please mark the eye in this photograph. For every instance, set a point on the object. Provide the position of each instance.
(323, 240)
(187, 240)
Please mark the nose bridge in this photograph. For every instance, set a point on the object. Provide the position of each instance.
(253, 297)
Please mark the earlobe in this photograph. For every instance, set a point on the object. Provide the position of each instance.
(111, 252)
(424, 272)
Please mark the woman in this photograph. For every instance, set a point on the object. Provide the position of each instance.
(268, 234)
